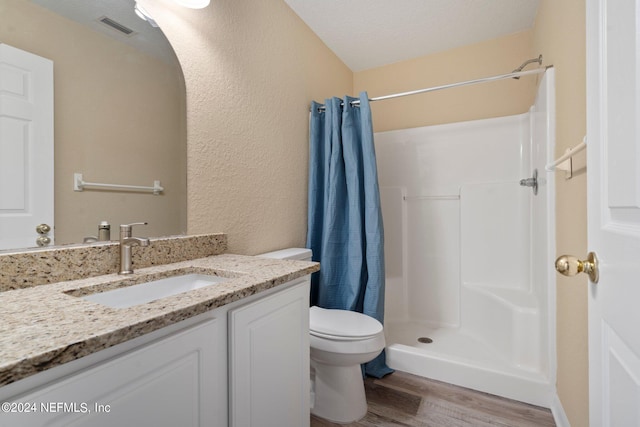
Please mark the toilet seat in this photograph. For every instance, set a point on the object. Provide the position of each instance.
(342, 325)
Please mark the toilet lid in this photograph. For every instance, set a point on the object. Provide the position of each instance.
(342, 324)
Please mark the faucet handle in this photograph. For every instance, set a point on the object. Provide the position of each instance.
(133, 223)
(125, 229)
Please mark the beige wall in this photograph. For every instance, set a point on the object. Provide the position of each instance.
(251, 69)
(474, 102)
(119, 117)
(559, 34)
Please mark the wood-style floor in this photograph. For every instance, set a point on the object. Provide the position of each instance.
(402, 399)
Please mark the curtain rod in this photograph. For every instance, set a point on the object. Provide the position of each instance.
(451, 85)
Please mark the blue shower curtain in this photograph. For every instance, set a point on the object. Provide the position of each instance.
(345, 222)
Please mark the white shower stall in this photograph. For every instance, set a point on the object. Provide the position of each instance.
(470, 285)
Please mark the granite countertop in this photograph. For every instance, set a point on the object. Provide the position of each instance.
(48, 325)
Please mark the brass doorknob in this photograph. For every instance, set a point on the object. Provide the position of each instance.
(43, 229)
(43, 241)
(570, 266)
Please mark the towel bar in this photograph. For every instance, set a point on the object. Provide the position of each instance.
(79, 185)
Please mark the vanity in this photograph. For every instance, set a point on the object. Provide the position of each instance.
(234, 352)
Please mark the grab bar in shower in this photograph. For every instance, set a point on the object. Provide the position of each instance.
(442, 197)
(565, 162)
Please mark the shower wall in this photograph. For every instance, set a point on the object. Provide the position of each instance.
(470, 288)
(447, 194)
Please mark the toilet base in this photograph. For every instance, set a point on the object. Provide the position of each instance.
(339, 393)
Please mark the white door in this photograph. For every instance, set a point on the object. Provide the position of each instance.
(26, 147)
(613, 169)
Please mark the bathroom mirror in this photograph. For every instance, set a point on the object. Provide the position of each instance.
(119, 113)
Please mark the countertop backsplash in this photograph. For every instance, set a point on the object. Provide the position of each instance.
(42, 266)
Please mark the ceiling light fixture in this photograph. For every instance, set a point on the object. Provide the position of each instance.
(191, 4)
(144, 15)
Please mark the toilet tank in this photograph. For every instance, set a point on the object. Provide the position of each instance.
(301, 254)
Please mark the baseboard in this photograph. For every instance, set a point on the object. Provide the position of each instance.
(558, 412)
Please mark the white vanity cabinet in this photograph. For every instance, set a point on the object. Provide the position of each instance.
(174, 381)
(243, 364)
(269, 361)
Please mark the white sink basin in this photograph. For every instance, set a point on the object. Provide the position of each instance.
(151, 291)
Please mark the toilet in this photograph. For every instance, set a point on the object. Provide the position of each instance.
(340, 341)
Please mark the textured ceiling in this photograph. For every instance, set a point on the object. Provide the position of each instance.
(370, 33)
(363, 33)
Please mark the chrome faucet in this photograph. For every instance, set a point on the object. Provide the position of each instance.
(126, 241)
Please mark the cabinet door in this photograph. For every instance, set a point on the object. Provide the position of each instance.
(269, 360)
(179, 380)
